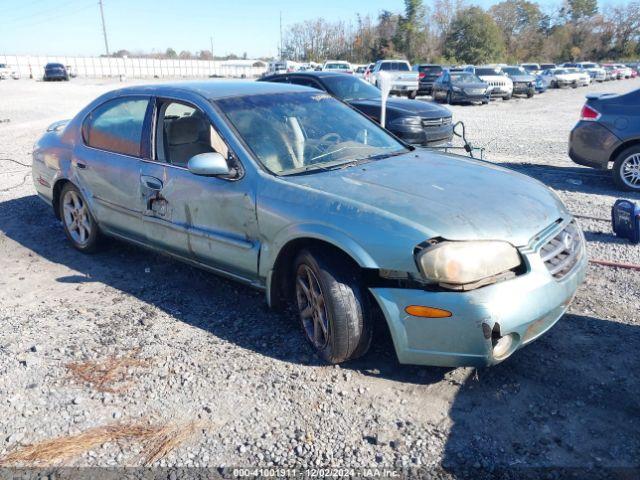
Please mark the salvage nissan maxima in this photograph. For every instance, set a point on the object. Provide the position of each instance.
(289, 190)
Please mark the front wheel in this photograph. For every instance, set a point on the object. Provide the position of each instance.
(626, 169)
(506, 97)
(412, 94)
(79, 225)
(449, 99)
(331, 306)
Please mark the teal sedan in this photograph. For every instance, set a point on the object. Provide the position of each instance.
(295, 193)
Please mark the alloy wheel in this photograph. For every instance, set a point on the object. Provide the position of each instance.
(76, 217)
(630, 171)
(312, 307)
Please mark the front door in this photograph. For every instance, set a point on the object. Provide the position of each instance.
(107, 163)
(211, 220)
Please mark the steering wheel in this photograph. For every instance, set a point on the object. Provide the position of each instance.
(331, 137)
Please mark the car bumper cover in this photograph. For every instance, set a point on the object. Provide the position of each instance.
(524, 308)
(591, 144)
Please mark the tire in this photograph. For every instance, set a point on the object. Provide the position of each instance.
(412, 95)
(449, 99)
(336, 325)
(554, 84)
(506, 98)
(485, 102)
(627, 162)
(530, 94)
(74, 211)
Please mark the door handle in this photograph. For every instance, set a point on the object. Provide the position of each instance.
(152, 183)
(80, 164)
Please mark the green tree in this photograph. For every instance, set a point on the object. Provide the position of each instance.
(579, 10)
(411, 32)
(170, 53)
(474, 38)
(522, 24)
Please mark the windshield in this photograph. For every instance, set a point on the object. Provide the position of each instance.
(465, 78)
(487, 72)
(337, 66)
(514, 71)
(347, 87)
(297, 132)
(589, 65)
(559, 71)
(531, 67)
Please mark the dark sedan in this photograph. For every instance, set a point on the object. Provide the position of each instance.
(55, 71)
(523, 82)
(609, 132)
(427, 76)
(460, 87)
(415, 122)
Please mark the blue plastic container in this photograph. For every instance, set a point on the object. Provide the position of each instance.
(626, 220)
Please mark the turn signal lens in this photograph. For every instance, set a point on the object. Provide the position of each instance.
(427, 312)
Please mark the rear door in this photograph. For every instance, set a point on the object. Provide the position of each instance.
(107, 163)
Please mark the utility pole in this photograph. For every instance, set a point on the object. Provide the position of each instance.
(280, 35)
(104, 28)
(211, 40)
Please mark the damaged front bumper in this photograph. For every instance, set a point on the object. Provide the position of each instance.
(518, 310)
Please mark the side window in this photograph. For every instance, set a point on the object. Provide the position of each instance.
(116, 126)
(182, 132)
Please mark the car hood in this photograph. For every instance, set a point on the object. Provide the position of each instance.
(468, 86)
(523, 78)
(441, 195)
(405, 107)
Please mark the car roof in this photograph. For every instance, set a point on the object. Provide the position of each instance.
(215, 89)
(312, 73)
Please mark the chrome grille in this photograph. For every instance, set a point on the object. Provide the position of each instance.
(436, 122)
(562, 252)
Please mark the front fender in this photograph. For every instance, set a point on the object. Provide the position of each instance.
(271, 251)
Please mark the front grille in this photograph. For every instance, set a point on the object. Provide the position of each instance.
(436, 122)
(475, 91)
(495, 83)
(562, 252)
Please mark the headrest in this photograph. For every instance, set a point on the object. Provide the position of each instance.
(184, 130)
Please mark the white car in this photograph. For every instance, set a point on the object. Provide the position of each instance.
(532, 68)
(561, 77)
(598, 74)
(404, 81)
(8, 72)
(626, 71)
(499, 83)
(584, 79)
(337, 66)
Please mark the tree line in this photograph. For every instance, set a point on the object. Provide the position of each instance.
(453, 31)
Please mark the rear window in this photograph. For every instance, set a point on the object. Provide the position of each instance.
(116, 126)
(337, 66)
(430, 69)
(395, 66)
(54, 65)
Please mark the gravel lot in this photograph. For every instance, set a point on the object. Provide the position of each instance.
(213, 353)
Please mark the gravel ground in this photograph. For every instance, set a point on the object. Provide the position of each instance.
(214, 353)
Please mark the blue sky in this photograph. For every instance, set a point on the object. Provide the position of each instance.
(72, 27)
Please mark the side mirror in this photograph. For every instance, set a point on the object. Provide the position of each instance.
(208, 164)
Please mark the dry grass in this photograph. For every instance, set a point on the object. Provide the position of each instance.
(157, 442)
(110, 375)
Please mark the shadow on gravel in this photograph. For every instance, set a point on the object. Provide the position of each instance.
(572, 178)
(226, 309)
(571, 399)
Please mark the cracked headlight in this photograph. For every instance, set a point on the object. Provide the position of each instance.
(462, 263)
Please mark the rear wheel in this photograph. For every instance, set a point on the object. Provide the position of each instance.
(412, 94)
(331, 305)
(79, 225)
(506, 97)
(626, 169)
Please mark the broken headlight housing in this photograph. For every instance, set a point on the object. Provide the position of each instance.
(468, 265)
